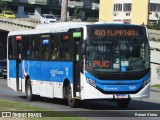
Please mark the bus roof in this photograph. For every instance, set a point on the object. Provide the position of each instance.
(62, 25)
(51, 28)
(26, 32)
(59, 27)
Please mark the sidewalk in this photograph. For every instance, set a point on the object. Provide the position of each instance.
(155, 89)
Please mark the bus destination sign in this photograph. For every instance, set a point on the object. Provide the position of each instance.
(103, 32)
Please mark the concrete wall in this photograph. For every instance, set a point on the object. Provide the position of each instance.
(106, 10)
(155, 67)
(139, 12)
(154, 41)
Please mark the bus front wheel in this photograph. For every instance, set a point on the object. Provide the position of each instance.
(122, 104)
(29, 90)
(71, 101)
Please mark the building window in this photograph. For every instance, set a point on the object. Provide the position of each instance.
(127, 7)
(117, 7)
(154, 7)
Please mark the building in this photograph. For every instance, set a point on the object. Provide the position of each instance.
(131, 11)
(37, 7)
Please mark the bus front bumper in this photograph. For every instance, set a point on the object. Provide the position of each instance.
(90, 92)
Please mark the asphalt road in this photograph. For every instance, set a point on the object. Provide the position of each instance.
(92, 109)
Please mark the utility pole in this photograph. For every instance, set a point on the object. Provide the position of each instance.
(64, 6)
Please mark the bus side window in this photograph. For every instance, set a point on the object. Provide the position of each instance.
(45, 52)
(54, 47)
(25, 47)
(67, 55)
(45, 47)
(11, 48)
(34, 51)
(65, 47)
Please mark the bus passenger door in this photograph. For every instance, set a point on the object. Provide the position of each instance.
(18, 64)
(77, 61)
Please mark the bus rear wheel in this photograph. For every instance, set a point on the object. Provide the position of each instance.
(123, 104)
(29, 94)
(71, 101)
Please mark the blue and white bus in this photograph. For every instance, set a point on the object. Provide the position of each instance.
(81, 61)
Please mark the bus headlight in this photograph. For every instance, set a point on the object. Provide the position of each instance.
(146, 82)
(91, 82)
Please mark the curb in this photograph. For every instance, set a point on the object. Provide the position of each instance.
(155, 90)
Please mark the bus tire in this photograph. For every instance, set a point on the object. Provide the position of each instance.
(123, 104)
(71, 101)
(29, 94)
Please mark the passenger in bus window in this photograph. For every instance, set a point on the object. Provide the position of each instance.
(95, 55)
(135, 59)
(54, 53)
(67, 54)
(109, 53)
(11, 54)
(34, 53)
(45, 55)
(28, 53)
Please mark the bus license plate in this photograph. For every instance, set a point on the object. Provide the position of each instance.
(121, 96)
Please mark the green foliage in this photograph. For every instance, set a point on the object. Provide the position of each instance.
(91, 19)
(3, 6)
(76, 14)
(156, 86)
(155, 26)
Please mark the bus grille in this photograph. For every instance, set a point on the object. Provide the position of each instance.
(119, 75)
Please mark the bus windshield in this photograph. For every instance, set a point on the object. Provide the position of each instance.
(118, 54)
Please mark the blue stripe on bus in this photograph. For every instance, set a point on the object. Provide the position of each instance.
(119, 88)
(118, 85)
(43, 70)
(12, 69)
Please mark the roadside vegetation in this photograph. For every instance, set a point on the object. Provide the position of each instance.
(156, 86)
(78, 16)
(4, 6)
(155, 26)
(21, 107)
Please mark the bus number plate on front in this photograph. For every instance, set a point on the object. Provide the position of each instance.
(121, 96)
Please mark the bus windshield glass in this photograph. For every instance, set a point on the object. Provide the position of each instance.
(126, 51)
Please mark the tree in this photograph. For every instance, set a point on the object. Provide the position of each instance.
(155, 26)
(3, 5)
